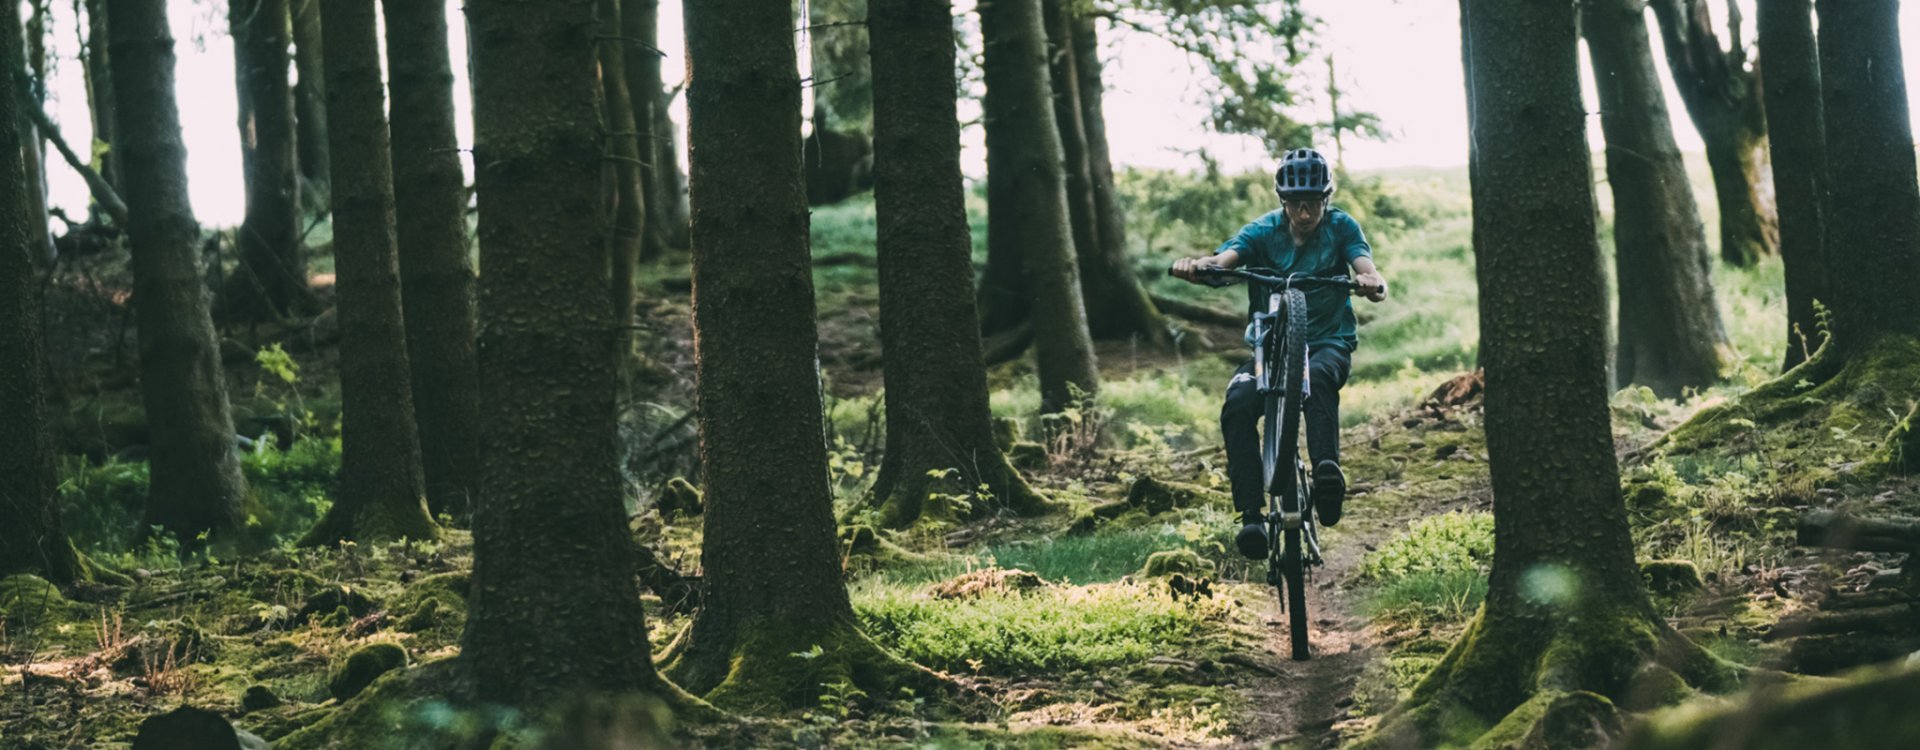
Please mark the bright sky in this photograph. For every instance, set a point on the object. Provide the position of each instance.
(1396, 58)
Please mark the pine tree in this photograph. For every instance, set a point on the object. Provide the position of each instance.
(1799, 146)
(270, 281)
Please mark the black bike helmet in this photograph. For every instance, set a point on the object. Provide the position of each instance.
(1303, 173)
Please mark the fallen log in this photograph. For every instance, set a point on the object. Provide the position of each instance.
(1826, 528)
(1198, 313)
(1897, 619)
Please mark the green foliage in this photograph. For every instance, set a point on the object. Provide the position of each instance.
(1096, 558)
(1055, 628)
(1435, 572)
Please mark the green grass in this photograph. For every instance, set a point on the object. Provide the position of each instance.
(1054, 629)
(1434, 572)
(1095, 558)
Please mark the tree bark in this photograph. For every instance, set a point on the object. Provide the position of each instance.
(1118, 305)
(761, 453)
(1670, 334)
(436, 272)
(1722, 94)
(310, 103)
(1566, 615)
(35, 145)
(1064, 78)
(640, 25)
(196, 484)
(556, 606)
(100, 100)
(937, 414)
(381, 496)
(624, 188)
(1799, 146)
(1873, 203)
(1030, 261)
(270, 282)
(32, 539)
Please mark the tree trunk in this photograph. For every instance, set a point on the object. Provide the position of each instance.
(436, 272)
(270, 282)
(380, 486)
(196, 484)
(1030, 261)
(1722, 94)
(1873, 203)
(1670, 335)
(32, 539)
(937, 415)
(39, 235)
(1064, 78)
(99, 81)
(310, 103)
(1117, 304)
(1566, 616)
(622, 178)
(1792, 95)
(556, 607)
(761, 453)
(640, 24)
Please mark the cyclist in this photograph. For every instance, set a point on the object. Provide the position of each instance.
(1305, 236)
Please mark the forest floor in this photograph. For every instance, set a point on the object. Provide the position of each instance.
(1123, 619)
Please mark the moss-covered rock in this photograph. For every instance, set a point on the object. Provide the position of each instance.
(1027, 456)
(363, 667)
(435, 604)
(1181, 561)
(260, 698)
(342, 602)
(24, 595)
(1158, 496)
(1671, 576)
(678, 497)
(1007, 433)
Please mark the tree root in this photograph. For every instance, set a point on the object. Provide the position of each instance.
(904, 494)
(844, 669)
(1560, 683)
(1868, 710)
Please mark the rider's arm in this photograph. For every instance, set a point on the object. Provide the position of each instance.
(1373, 285)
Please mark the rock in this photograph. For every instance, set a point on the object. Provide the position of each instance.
(1157, 496)
(678, 497)
(330, 600)
(260, 698)
(29, 594)
(1197, 588)
(363, 667)
(1671, 576)
(189, 728)
(1169, 562)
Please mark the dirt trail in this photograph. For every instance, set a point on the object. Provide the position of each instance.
(1302, 704)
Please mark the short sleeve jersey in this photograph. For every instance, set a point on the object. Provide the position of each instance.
(1339, 241)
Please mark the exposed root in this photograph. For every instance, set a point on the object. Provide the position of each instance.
(765, 674)
(904, 494)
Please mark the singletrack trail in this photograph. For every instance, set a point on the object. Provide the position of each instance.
(1308, 704)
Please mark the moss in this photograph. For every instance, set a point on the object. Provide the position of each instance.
(434, 605)
(1158, 496)
(1028, 456)
(1006, 433)
(363, 667)
(678, 497)
(765, 675)
(377, 718)
(1179, 561)
(1671, 576)
(24, 593)
(1868, 709)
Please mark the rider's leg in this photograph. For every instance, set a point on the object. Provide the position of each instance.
(1239, 424)
(1327, 371)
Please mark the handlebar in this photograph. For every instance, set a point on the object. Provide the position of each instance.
(1274, 278)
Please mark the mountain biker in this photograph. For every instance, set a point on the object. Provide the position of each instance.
(1305, 236)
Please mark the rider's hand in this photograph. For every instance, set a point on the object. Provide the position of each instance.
(1372, 286)
(1184, 268)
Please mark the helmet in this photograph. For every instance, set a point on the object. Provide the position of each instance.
(1303, 173)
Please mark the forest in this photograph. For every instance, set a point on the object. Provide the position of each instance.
(900, 423)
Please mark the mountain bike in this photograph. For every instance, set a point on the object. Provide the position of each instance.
(1280, 373)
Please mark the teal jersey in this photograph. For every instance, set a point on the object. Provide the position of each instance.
(1266, 243)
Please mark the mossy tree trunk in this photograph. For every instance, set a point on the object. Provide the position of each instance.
(1031, 271)
(1798, 139)
(623, 179)
(773, 576)
(99, 80)
(436, 272)
(937, 415)
(1873, 202)
(380, 486)
(1722, 94)
(196, 484)
(32, 539)
(270, 282)
(1670, 334)
(1567, 624)
(1117, 303)
(310, 104)
(555, 606)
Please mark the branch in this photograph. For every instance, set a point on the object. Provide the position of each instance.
(102, 192)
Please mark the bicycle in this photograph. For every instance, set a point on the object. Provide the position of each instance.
(1280, 347)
